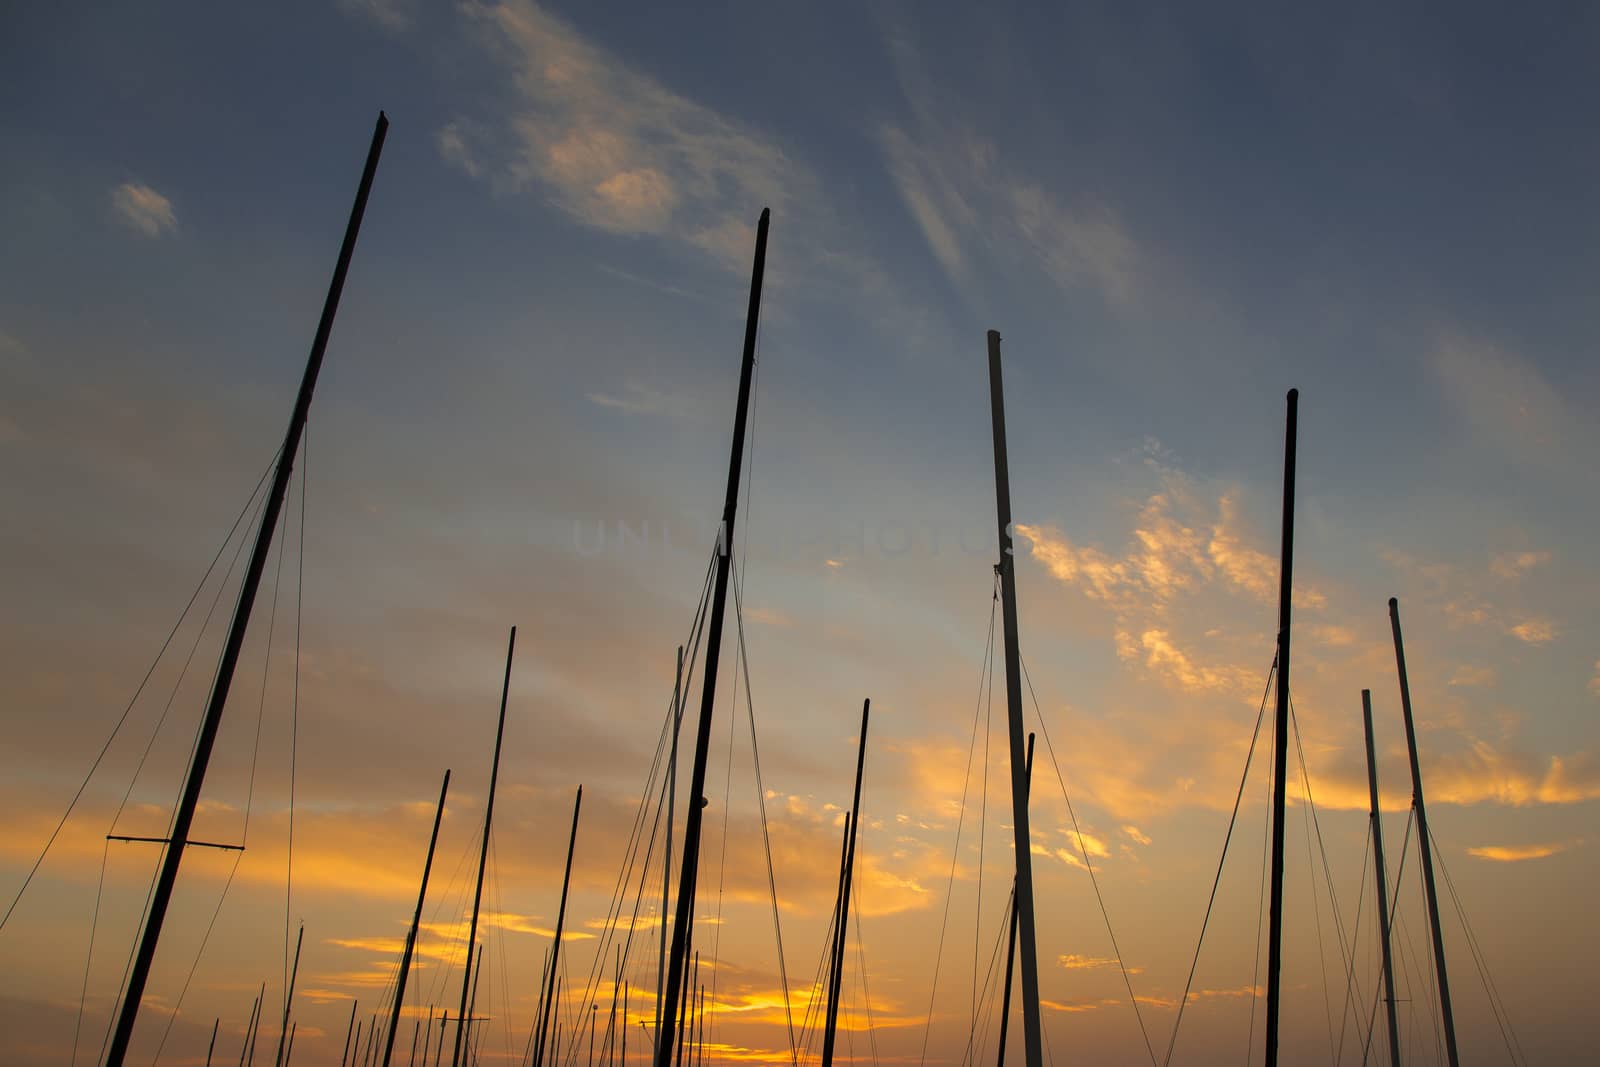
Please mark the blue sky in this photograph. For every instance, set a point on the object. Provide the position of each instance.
(1171, 214)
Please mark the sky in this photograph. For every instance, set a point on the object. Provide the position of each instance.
(1171, 215)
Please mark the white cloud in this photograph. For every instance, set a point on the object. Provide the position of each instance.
(1534, 631)
(144, 209)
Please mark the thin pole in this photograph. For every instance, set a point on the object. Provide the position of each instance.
(483, 853)
(358, 1040)
(624, 1024)
(683, 1010)
(472, 1005)
(672, 807)
(611, 1025)
(288, 996)
(841, 931)
(348, 1030)
(1423, 840)
(1019, 775)
(1280, 749)
(1011, 943)
(416, 1032)
(594, 1017)
(250, 1025)
(213, 1046)
(183, 818)
(427, 1037)
(689, 864)
(255, 1031)
(555, 950)
(372, 1041)
(289, 1052)
(411, 935)
(1382, 879)
(444, 1024)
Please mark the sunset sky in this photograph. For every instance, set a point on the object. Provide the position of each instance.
(1172, 214)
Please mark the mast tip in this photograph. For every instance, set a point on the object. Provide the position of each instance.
(994, 335)
(1394, 604)
(1294, 395)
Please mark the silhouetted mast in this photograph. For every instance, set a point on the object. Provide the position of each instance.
(1382, 880)
(411, 935)
(288, 997)
(1280, 750)
(1006, 568)
(555, 950)
(1011, 943)
(483, 852)
(843, 927)
(348, 1031)
(213, 1046)
(183, 818)
(1423, 840)
(689, 864)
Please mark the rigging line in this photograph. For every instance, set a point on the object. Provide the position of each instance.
(766, 835)
(177, 1007)
(1088, 863)
(1261, 903)
(991, 988)
(1327, 869)
(955, 853)
(1349, 978)
(294, 707)
(722, 859)
(1496, 1002)
(123, 718)
(861, 962)
(983, 826)
(614, 907)
(1249, 755)
(261, 705)
(172, 818)
(94, 924)
(183, 673)
(1316, 904)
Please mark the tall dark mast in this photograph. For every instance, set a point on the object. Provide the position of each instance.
(689, 864)
(672, 808)
(843, 927)
(1382, 879)
(555, 950)
(1011, 944)
(411, 935)
(483, 852)
(183, 818)
(349, 1030)
(1006, 568)
(1280, 750)
(288, 997)
(1424, 842)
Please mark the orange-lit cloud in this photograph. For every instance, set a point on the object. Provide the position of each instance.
(1518, 853)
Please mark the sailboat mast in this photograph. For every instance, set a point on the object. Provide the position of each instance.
(183, 818)
(1280, 750)
(838, 907)
(411, 936)
(1424, 841)
(213, 1046)
(483, 851)
(1011, 944)
(555, 950)
(348, 1031)
(1019, 775)
(689, 864)
(843, 928)
(288, 996)
(1382, 880)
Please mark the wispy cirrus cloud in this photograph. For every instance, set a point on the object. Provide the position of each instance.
(1516, 564)
(143, 209)
(965, 195)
